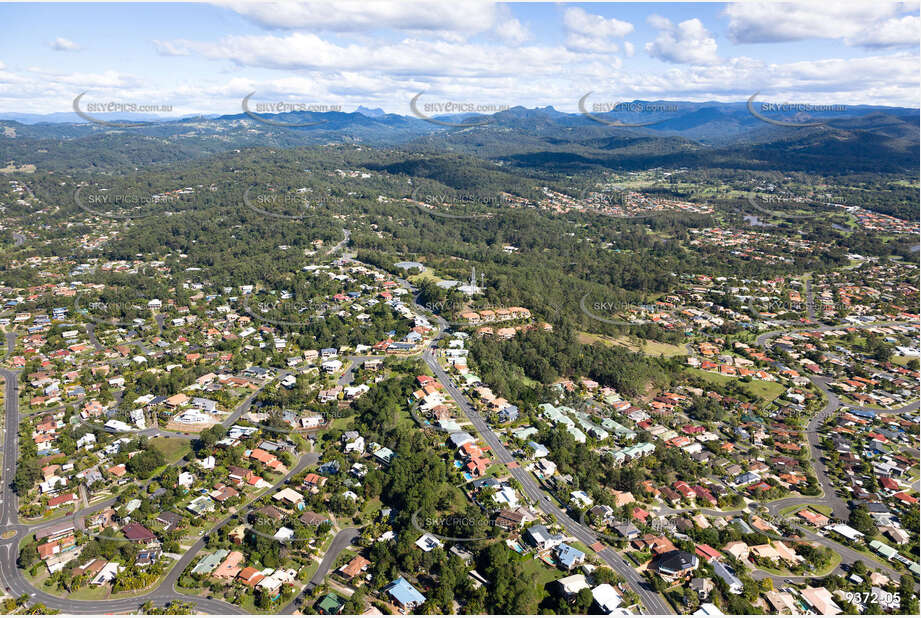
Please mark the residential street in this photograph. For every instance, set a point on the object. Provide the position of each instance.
(13, 580)
(341, 541)
(651, 600)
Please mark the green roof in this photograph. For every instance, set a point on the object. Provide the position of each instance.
(210, 562)
(883, 549)
(330, 603)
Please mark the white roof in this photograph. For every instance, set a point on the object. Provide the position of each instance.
(845, 531)
(284, 534)
(606, 597)
(708, 609)
(427, 542)
(288, 494)
(573, 584)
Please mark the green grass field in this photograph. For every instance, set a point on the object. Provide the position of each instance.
(765, 391)
(173, 449)
(647, 346)
(818, 508)
(541, 574)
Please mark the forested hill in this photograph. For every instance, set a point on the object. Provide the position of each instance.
(698, 135)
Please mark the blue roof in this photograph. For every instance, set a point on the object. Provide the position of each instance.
(405, 593)
(537, 446)
(568, 555)
(863, 413)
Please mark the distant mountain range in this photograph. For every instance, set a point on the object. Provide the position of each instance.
(661, 133)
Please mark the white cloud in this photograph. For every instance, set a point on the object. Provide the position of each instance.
(887, 79)
(513, 32)
(870, 24)
(62, 44)
(895, 32)
(166, 48)
(687, 43)
(106, 80)
(503, 65)
(583, 43)
(470, 16)
(658, 22)
(593, 33)
(411, 56)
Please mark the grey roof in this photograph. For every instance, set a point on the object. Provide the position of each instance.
(677, 561)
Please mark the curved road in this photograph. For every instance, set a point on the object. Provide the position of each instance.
(839, 508)
(341, 541)
(11, 577)
(652, 601)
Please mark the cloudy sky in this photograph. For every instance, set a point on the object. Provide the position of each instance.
(203, 58)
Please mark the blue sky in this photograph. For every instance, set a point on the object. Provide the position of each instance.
(203, 58)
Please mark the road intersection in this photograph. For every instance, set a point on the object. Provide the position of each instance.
(12, 578)
(14, 582)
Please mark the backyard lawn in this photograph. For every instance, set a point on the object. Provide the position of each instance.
(765, 391)
(173, 449)
(647, 346)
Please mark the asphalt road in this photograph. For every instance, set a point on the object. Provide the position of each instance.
(341, 541)
(650, 599)
(14, 582)
(831, 498)
(91, 333)
(8, 509)
(810, 299)
(848, 555)
(12, 579)
(342, 243)
(839, 508)
(762, 339)
(244, 405)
